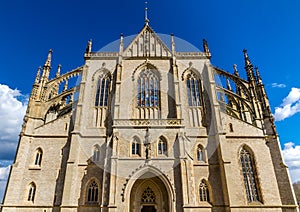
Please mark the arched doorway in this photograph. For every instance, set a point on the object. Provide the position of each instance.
(149, 194)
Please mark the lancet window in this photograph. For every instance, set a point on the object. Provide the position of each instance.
(193, 90)
(102, 92)
(96, 154)
(249, 175)
(136, 147)
(38, 157)
(203, 192)
(162, 146)
(31, 192)
(200, 153)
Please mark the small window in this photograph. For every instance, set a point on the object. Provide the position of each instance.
(96, 154)
(136, 147)
(92, 192)
(31, 192)
(200, 153)
(162, 146)
(38, 157)
(203, 192)
(230, 127)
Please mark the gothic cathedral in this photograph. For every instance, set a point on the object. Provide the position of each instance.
(148, 128)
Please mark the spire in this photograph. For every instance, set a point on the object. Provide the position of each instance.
(58, 71)
(146, 13)
(248, 66)
(48, 61)
(38, 74)
(259, 80)
(236, 72)
(205, 46)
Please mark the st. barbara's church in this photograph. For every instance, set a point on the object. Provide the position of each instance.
(148, 128)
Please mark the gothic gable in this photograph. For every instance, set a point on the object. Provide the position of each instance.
(147, 44)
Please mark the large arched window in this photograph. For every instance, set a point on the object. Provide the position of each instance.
(203, 192)
(162, 146)
(249, 175)
(31, 192)
(102, 93)
(193, 90)
(96, 154)
(92, 192)
(148, 89)
(136, 147)
(38, 157)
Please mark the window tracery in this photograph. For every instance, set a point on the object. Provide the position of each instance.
(102, 92)
(92, 192)
(148, 196)
(203, 192)
(193, 90)
(249, 176)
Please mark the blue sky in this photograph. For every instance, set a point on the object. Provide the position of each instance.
(269, 30)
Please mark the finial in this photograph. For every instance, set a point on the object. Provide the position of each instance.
(146, 13)
(248, 67)
(37, 78)
(173, 43)
(205, 46)
(236, 72)
(89, 46)
(58, 71)
(247, 60)
(48, 61)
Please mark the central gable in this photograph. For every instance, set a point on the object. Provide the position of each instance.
(147, 44)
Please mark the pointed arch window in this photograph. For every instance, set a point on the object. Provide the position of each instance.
(200, 153)
(31, 192)
(96, 154)
(162, 146)
(148, 89)
(102, 92)
(193, 90)
(203, 192)
(92, 192)
(136, 147)
(38, 157)
(249, 175)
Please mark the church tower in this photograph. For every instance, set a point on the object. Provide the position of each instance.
(148, 128)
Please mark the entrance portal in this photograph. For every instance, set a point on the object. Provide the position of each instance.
(149, 194)
(148, 209)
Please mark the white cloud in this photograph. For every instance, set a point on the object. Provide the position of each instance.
(278, 85)
(290, 105)
(4, 172)
(291, 154)
(12, 111)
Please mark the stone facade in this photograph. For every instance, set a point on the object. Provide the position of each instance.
(149, 128)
